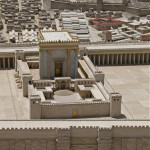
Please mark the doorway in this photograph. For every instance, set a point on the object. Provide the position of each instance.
(58, 69)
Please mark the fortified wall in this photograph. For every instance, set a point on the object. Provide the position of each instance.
(84, 6)
(113, 137)
(138, 11)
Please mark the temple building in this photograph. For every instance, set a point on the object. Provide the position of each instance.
(65, 81)
(58, 55)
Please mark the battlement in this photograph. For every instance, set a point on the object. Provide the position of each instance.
(27, 125)
(115, 96)
(92, 103)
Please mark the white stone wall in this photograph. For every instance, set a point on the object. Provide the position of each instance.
(83, 110)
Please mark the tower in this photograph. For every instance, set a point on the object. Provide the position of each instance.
(115, 104)
(99, 5)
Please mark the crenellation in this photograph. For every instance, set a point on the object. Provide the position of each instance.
(62, 63)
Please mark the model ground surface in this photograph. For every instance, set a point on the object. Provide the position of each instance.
(133, 83)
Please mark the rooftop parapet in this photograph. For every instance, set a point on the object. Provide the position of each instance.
(54, 36)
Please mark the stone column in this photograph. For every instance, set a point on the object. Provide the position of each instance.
(116, 59)
(125, 59)
(4, 62)
(8, 62)
(48, 64)
(143, 58)
(129, 58)
(107, 59)
(76, 64)
(120, 59)
(139, 58)
(1, 63)
(99, 60)
(133, 58)
(68, 63)
(103, 59)
(112, 59)
(147, 58)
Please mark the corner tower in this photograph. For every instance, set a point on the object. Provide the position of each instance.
(58, 54)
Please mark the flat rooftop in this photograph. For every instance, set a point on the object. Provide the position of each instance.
(54, 36)
(122, 46)
(132, 82)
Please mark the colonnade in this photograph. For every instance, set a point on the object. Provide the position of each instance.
(120, 59)
(7, 62)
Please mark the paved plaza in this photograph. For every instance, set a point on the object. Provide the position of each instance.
(133, 83)
(12, 104)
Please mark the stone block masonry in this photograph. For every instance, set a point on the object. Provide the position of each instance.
(75, 137)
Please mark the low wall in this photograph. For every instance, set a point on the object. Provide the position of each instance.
(67, 110)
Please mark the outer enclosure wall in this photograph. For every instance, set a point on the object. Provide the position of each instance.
(77, 138)
(139, 12)
(71, 6)
(83, 110)
(114, 7)
(84, 6)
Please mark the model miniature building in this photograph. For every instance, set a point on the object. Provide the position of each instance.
(29, 36)
(75, 23)
(13, 36)
(66, 82)
(105, 23)
(145, 37)
(107, 35)
(58, 55)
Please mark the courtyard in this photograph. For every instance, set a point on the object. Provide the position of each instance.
(12, 104)
(133, 83)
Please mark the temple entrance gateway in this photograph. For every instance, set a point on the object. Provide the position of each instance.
(58, 69)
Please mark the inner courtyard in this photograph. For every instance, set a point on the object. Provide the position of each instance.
(131, 81)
